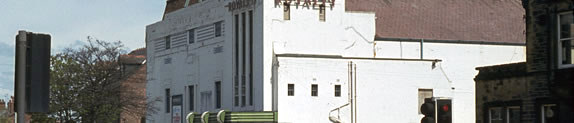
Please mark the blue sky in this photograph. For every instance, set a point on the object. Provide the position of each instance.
(69, 22)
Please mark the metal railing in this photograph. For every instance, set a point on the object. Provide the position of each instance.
(232, 117)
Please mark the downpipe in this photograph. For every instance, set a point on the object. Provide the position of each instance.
(350, 76)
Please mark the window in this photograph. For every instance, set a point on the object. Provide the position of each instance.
(509, 114)
(243, 44)
(314, 90)
(565, 39)
(217, 49)
(191, 36)
(167, 61)
(191, 90)
(290, 89)
(322, 12)
(286, 11)
(548, 113)
(236, 85)
(218, 29)
(495, 115)
(218, 94)
(423, 94)
(513, 114)
(337, 90)
(167, 42)
(250, 57)
(243, 90)
(167, 100)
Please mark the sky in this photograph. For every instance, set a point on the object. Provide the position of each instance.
(70, 22)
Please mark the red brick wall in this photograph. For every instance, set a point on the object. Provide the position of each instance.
(173, 5)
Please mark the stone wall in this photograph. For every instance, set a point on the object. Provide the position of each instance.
(535, 85)
(502, 92)
(501, 86)
(541, 40)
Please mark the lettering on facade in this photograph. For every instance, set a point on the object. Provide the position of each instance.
(239, 4)
(305, 3)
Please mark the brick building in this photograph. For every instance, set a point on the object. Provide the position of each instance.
(7, 111)
(541, 89)
(133, 86)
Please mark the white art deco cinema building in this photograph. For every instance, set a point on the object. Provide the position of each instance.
(310, 61)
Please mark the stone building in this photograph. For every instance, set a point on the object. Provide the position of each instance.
(541, 89)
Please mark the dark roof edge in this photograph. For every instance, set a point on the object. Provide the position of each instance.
(501, 71)
(345, 57)
(500, 65)
(449, 41)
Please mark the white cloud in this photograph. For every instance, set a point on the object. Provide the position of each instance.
(5, 93)
(70, 21)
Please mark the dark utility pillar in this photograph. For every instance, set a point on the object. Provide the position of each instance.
(32, 78)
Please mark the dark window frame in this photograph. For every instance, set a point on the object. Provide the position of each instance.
(167, 42)
(286, 11)
(218, 94)
(191, 36)
(314, 90)
(243, 55)
(191, 92)
(290, 89)
(502, 104)
(218, 30)
(236, 84)
(322, 13)
(337, 90)
(422, 100)
(564, 45)
(251, 58)
(167, 100)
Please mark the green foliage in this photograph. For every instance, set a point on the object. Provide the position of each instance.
(64, 87)
(85, 83)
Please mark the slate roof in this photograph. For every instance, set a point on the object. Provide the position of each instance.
(482, 20)
(135, 57)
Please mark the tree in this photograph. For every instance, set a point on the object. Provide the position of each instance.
(99, 79)
(64, 87)
(87, 84)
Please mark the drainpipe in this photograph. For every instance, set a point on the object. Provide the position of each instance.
(355, 89)
(422, 41)
(351, 95)
(350, 82)
(374, 49)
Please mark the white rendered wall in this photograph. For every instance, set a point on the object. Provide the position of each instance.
(304, 33)
(197, 64)
(388, 89)
(348, 34)
(458, 63)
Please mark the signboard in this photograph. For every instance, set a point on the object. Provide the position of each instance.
(176, 108)
(240, 4)
(305, 3)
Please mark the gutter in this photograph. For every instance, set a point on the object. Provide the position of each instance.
(359, 58)
(449, 41)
